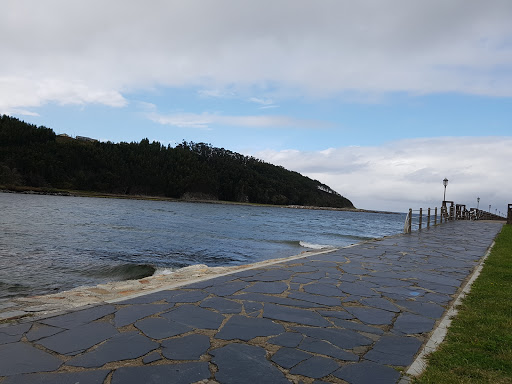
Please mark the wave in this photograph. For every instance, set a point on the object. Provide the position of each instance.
(164, 271)
(123, 271)
(314, 246)
(303, 244)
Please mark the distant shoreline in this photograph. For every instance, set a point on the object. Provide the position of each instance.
(73, 193)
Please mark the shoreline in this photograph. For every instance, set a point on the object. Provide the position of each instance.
(73, 193)
(39, 306)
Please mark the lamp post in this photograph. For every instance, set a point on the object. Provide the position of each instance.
(445, 183)
(477, 203)
(489, 208)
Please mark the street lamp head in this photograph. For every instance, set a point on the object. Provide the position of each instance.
(445, 182)
(477, 199)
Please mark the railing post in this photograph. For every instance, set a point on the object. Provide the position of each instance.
(410, 220)
(421, 218)
(435, 216)
(428, 218)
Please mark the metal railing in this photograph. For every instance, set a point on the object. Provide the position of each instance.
(420, 218)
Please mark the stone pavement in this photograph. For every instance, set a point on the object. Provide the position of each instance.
(356, 315)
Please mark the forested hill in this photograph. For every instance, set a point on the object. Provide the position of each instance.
(36, 157)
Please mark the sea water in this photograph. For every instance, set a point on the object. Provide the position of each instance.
(54, 243)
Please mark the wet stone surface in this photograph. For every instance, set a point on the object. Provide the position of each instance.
(186, 348)
(184, 373)
(246, 362)
(366, 372)
(247, 328)
(353, 314)
(76, 340)
(123, 346)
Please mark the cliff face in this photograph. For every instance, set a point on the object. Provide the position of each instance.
(35, 157)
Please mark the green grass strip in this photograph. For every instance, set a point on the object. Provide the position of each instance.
(478, 345)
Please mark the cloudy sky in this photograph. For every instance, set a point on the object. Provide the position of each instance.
(381, 100)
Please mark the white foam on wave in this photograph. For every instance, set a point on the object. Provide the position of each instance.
(164, 271)
(313, 246)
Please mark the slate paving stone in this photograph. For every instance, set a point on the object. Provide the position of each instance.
(357, 289)
(289, 357)
(294, 315)
(315, 367)
(123, 346)
(342, 338)
(380, 303)
(247, 328)
(409, 323)
(270, 276)
(78, 339)
(354, 269)
(160, 328)
(18, 358)
(401, 292)
(227, 289)
(196, 317)
(6, 339)
(13, 333)
(252, 308)
(348, 278)
(338, 314)
(302, 268)
(372, 315)
(258, 297)
(385, 281)
(324, 290)
(300, 280)
(324, 348)
(287, 339)
(394, 350)
(145, 299)
(78, 318)
(18, 329)
(189, 347)
(264, 287)
(439, 288)
(437, 278)
(88, 377)
(434, 311)
(127, 315)
(242, 363)
(152, 357)
(182, 373)
(323, 300)
(312, 275)
(187, 297)
(367, 372)
(222, 305)
(39, 331)
(436, 298)
(357, 327)
(246, 273)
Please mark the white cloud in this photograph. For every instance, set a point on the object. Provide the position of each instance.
(408, 174)
(207, 120)
(95, 52)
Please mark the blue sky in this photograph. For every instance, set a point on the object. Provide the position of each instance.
(379, 100)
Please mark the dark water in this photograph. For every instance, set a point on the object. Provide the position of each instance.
(52, 243)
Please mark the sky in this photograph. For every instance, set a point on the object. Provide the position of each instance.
(380, 100)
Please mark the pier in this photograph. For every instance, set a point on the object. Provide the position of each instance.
(344, 316)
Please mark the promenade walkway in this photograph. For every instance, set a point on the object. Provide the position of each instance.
(356, 315)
